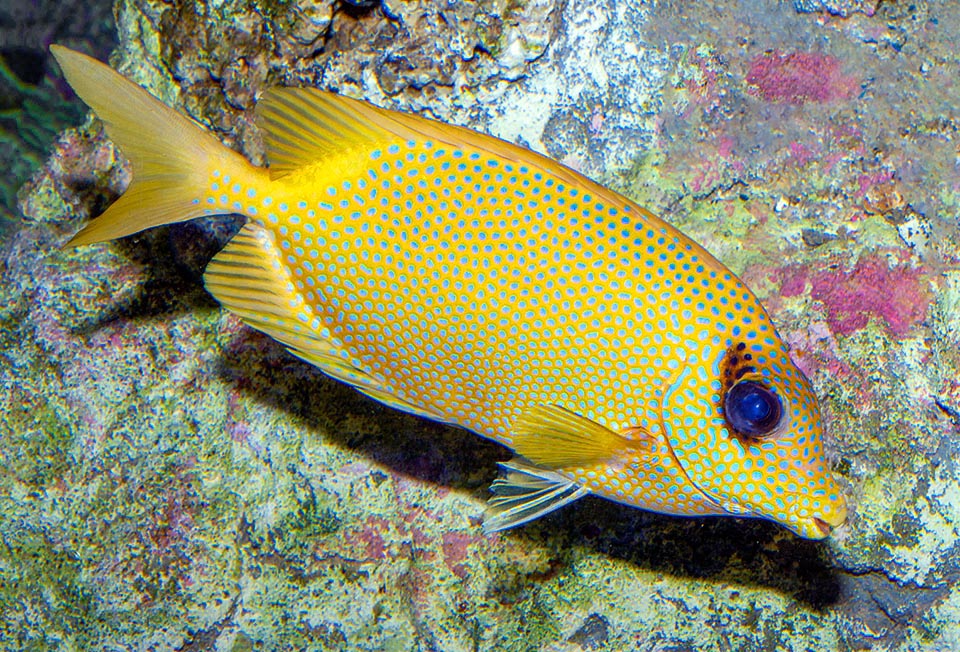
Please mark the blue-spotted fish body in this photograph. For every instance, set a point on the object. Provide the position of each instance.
(456, 276)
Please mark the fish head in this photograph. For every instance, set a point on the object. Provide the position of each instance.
(757, 447)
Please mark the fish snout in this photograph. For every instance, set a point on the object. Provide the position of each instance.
(819, 524)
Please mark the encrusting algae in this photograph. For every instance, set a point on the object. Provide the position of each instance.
(467, 280)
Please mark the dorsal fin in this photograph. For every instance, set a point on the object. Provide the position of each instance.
(302, 126)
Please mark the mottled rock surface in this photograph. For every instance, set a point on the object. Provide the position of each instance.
(172, 480)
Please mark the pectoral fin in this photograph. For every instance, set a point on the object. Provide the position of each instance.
(551, 437)
(555, 438)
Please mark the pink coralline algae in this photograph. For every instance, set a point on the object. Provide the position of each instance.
(793, 280)
(798, 77)
(456, 546)
(898, 295)
(868, 181)
(370, 539)
(800, 154)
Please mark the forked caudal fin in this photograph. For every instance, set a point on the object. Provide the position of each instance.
(172, 157)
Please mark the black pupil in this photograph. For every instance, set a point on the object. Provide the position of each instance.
(752, 409)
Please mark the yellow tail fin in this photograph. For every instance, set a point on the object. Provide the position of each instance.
(172, 156)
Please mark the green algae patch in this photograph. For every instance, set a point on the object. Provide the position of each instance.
(37, 441)
(46, 601)
(533, 627)
(46, 201)
(300, 530)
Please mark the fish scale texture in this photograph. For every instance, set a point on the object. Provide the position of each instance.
(474, 287)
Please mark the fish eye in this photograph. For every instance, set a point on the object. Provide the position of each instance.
(752, 409)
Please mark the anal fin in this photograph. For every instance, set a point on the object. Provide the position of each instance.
(392, 400)
(524, 492)
(250, 280)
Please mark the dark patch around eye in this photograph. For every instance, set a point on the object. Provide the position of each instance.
(753, 411)
(734, 366)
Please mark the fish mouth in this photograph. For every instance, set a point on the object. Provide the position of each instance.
(824, 527)
(833, 520)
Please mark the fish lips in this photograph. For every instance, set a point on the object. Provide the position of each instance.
(796, 518)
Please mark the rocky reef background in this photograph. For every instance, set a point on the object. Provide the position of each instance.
(171, 480)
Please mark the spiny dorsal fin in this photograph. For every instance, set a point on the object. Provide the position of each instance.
(302, 126)
(554, 437)
(524, 492)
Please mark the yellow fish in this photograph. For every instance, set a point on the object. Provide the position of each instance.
(467, 280)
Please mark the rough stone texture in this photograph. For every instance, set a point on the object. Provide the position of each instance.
(172, 480)
(837, 7)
